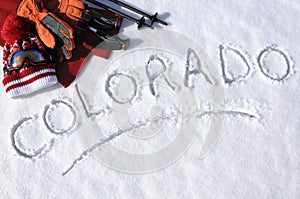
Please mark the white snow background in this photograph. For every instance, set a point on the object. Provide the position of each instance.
(253, 158)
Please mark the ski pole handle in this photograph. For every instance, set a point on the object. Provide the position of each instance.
(141, 22)
(153, 18)
(105, 22)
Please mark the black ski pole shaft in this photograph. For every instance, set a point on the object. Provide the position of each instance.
(153, 18)
(140, 22)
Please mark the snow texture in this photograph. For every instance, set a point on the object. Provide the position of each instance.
(254, 48)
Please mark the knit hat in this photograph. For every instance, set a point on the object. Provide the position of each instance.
(35, 71)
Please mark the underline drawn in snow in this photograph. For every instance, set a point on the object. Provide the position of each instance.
(262, 65)
(152, 76)
(225, 50)
(194, 67)
(229, 113)
(19, 146)
(86, 153)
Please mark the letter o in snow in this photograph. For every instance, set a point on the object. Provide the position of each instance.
(268, 59)
(60, 117)
(121, 88)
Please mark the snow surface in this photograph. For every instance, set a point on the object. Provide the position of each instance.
(49, 150)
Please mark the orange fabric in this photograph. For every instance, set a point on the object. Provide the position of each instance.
(71, 11)
(30, 9)
(72, 8)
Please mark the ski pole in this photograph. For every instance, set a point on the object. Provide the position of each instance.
(141, 22)
(153, 18)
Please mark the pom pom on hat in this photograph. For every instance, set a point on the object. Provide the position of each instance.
(7, 7)
(14, 28)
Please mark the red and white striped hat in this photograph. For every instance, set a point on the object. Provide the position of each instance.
(28, 79)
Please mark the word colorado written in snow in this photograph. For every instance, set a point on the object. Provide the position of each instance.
(193, 67)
